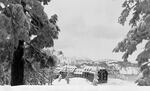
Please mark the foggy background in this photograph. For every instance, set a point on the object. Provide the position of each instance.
(89, 28)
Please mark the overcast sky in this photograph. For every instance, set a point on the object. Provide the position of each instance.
(89, 28)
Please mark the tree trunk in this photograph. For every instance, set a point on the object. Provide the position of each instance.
(17, 67)
(125, 60)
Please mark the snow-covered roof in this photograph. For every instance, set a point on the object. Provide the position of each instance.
(92, 68)
(78, 71)
(69, 68)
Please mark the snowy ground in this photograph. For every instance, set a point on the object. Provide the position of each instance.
(84, 82)
(80, 84)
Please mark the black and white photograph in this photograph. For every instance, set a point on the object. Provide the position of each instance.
(74, 44)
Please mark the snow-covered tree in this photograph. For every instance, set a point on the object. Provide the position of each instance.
(20, 52)
(140, 30)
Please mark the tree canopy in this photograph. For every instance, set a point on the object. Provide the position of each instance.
(21, 20)
(140, 30)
